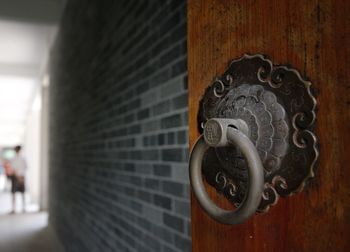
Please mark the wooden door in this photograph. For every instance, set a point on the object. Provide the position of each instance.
(313, 37)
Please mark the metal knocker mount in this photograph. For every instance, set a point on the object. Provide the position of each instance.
(257, 122)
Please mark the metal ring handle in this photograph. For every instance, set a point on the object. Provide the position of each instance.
(252, 197)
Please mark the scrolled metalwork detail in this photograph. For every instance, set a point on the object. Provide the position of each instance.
(232, 188)
(221, 180)
(279, 108)
(219, 88)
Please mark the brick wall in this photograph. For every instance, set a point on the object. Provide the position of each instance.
(118, 127)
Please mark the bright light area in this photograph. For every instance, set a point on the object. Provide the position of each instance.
(16, 94)
(24, 53)
(22, 43)
(37, 103)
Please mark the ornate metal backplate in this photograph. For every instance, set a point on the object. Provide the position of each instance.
(279, 109)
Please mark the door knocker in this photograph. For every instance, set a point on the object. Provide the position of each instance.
(257, 123)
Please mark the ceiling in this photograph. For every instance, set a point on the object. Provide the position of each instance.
(27, 29)
(38, 11)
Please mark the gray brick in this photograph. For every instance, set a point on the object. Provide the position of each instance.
(152, 242)
(170, 23)
(143, 114)
(171, 138)
(153, 214)
(166, 248)
(182, 208)
(161, 108)
(174, 154)
(144, 196)
(152, 183)
(149, 98)
(162, 170)
(188, 228)
(184, 244)
(143, 87)
(171, 88)
(142, 222)
(186, 154)
(180, 101)
(185, 80)
(142, 168)
(161, 139)
(180, 173)
(162, 201)
(129, 118)
(173, 222)
(173, 188)
(179, 33)
(150, 126)
(185, 118)
(160, 46)
(118, 138)
(171, 121)
(179, 67)
(182, 137)
(150, 155)
(160, 77)
(163, 233)
(134, 129)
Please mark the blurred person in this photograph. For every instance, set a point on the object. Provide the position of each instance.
(19, 167)
(8, 172)
(2, 176)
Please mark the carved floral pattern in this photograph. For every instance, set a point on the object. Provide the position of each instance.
(279, 109)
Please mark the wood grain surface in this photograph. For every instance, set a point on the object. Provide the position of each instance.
(313, 37)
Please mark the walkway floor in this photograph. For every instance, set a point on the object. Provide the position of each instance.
(27, 233)
(6, 207)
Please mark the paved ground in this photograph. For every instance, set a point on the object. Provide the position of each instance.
(6, 199)
(27, 233)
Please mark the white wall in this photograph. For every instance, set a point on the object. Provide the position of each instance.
(43, 202)
(31, 150)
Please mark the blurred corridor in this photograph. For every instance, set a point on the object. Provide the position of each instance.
(27, 31)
